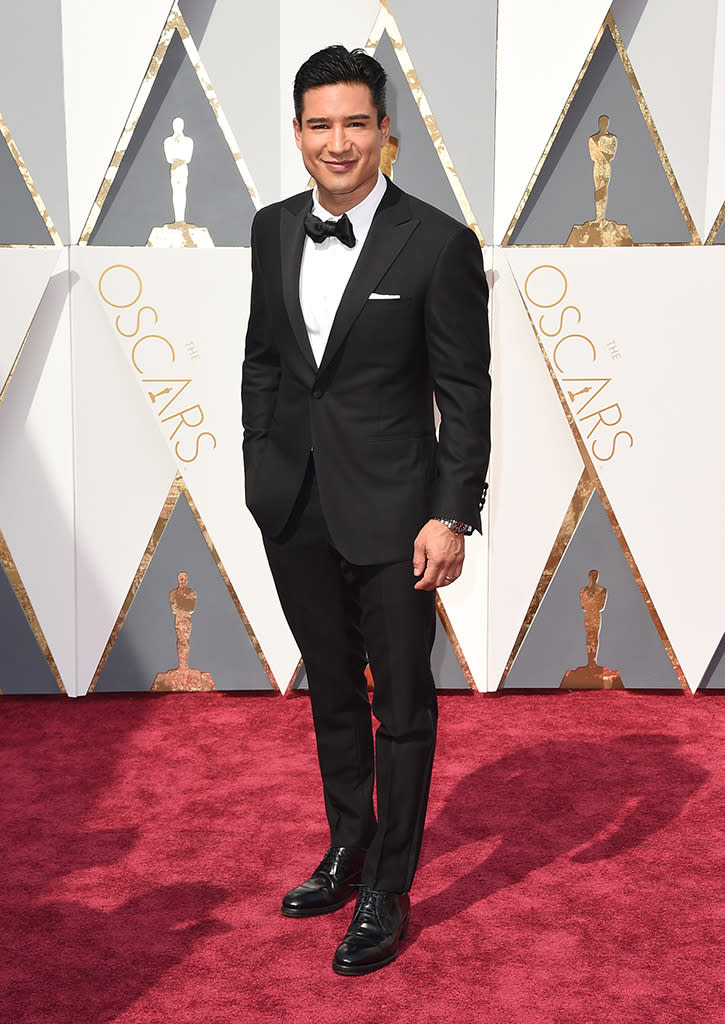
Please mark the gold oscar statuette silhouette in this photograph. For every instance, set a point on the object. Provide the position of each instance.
(178, 150)
(183, 602)
(388, 156)
(600, 231)
(592, 676)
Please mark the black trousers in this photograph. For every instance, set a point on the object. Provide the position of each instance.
(343, 616)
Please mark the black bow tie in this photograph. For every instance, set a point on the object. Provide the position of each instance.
(319, 230)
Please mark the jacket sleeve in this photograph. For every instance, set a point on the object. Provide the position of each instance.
(457, 338)
(261, 367)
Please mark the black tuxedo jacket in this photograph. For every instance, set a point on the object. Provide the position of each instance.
(367, 412)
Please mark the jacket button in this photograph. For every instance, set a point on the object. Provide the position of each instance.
(317, 393)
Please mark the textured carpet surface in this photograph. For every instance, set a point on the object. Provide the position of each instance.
(572, 868)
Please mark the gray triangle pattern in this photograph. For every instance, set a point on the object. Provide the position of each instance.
(628, 643)
(640, 194)
(714, 678)
(24, 666)
(20, 219)
(140, 196)
(146, 644)
(417, 169)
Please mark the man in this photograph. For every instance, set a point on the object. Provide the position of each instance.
(364, 302)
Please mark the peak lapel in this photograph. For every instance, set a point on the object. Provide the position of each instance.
(292, 240)
(391, 228)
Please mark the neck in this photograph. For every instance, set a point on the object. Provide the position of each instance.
(339, 204)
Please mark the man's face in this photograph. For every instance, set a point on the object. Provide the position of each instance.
(340, 142)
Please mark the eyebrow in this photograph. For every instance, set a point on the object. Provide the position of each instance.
(347, 117)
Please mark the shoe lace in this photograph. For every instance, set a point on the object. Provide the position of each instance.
(368, 905)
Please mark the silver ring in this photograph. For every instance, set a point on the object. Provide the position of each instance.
(450, 578)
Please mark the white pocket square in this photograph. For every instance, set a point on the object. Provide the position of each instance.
(377, 295)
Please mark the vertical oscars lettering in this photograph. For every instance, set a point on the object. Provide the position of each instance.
(121, 287)
(572, 352)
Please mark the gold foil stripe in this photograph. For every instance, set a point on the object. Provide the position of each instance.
(177, 488)
(610, 24)
(591, 472)
(453, 640)
(572, 517)
(385, 22)
(228, 583)
(8, 563)
(716, 226)
(174, 23)
(13, 368)
(55, 238)
(293, 678)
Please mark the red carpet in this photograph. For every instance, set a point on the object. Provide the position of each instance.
(571, 872)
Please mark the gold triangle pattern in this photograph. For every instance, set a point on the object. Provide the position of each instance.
(174, 23)
(178, 487)
(715, 229)
(575, 511)
(589, 482)
(54, 237)
(454, 642)
(385, 22)
(609, 24)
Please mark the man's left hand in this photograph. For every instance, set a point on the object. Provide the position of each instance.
(438, 551)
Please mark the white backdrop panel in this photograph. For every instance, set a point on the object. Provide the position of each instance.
(123, 467)
(187, 344)
(651, 318)
(535, 467)
(24, 274)
(36, 468)
(716, 162)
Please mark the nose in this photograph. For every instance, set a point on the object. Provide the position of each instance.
(337, 141)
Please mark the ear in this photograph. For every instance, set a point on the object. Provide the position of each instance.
(298, 132)
(384, 130)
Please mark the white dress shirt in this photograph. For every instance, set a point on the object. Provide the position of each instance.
(326, 267)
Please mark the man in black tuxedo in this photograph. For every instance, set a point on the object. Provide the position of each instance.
(365, 302)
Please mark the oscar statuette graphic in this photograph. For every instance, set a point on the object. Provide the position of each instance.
(388, 156)
(178, 150)
(600, 231)
(592, 676)
(183, 602)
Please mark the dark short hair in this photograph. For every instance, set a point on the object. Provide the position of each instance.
(337, 64)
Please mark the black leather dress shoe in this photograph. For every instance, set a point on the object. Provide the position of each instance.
(379, 923)
(329, 886)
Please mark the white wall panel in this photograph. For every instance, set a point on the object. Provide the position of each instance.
(36, 468)
(24, 274)
(535, 464)
(193, 326)
(658, 460)
(123, 468)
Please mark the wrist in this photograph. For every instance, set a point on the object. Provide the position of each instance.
(456, 526)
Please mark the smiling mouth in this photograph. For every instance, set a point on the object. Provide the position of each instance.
(341, 165)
